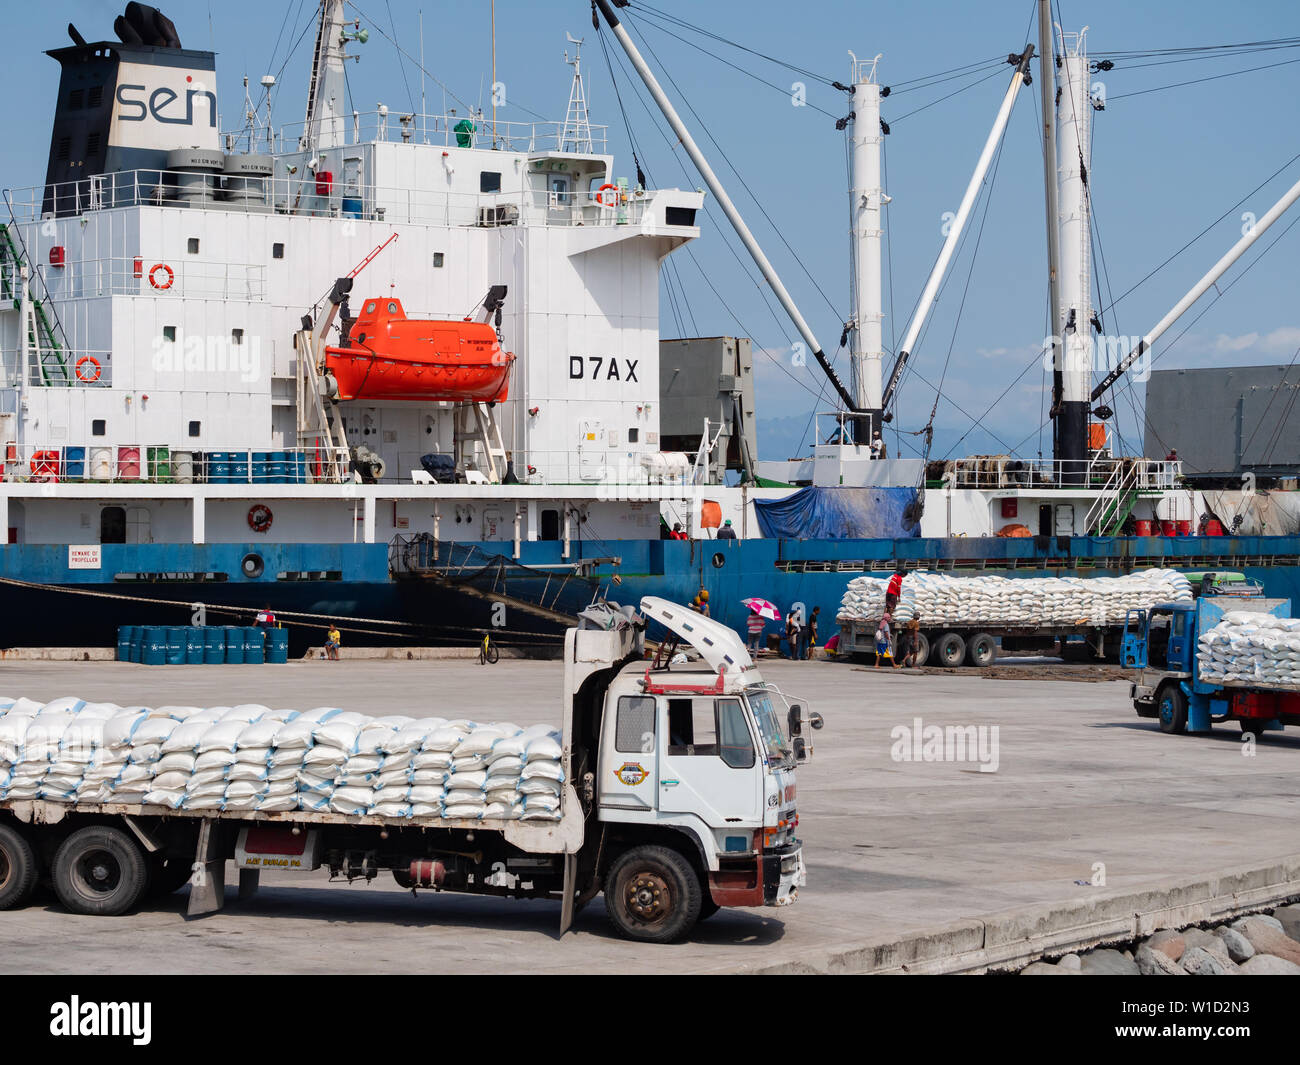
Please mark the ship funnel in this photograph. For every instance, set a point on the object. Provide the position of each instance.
(123, 106)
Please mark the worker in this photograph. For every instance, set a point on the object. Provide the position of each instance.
(894, 589)
(332, 642)
(908, 643)
(793, 633)
(755, 627)
(883, 636)
(703, 600)
(1173, 455)
(677, 533)
(812, 631)
(877, 446)
(726, 532)
(265, 619)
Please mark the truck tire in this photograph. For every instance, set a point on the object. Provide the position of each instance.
(981, 650)
(18, 869)
(1256, 726)
(100, 871)
(949, 650)
(1171, 705)
(652, 895)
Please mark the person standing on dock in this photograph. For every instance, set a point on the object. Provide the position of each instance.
(894, 589)
(332, 641)
(812, 632)
(755, 626)
(265, 619)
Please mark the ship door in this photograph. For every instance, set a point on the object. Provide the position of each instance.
(591, 451)
(112, 525)
(139, 526)
(1045, 520)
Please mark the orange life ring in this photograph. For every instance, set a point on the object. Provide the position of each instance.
(93, 362)
(260, 517)
(167, 281)
(611, 203)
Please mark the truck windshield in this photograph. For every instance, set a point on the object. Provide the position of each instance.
(771, 726)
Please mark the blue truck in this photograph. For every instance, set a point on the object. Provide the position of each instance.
(1161, 643)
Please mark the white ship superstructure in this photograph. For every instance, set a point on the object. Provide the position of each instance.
(154, 312)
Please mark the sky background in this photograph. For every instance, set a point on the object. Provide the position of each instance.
(1165, 165)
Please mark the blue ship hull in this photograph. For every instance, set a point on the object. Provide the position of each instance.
(473, 588)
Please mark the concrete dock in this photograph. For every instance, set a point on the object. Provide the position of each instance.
(1089, 809)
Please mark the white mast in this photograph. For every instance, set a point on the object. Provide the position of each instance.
(576, 136)
(324, 124)
(1074, 324)
(866, 198)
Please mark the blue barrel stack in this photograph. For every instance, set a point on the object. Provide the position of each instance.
(214, 645)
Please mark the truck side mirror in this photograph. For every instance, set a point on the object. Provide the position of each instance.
(800, 749)
(794, 720)
(815, 719)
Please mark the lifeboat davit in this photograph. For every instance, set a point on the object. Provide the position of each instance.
(389, 356)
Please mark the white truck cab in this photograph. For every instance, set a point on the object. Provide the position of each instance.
(692, 770)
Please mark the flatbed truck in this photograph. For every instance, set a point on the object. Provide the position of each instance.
(679, 799)
(1161, 644)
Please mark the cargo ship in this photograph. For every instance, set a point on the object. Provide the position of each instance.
(195, 424)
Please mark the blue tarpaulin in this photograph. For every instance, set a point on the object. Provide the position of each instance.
(841, 514)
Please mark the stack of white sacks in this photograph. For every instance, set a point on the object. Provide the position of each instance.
(1256, 649)
(942, 599)
(254, 758)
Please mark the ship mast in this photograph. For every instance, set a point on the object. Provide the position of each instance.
(1074, 321)
(323, 126)
(866, 199)
(1047, 89)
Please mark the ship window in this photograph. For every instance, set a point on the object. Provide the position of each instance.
(550, 525)
(489, 181)
(194, 428)
(169, 332)
(97, 427)
(236, 336)
(392, 308)
(193, 245)
(633, 435)
(277, 250)
(437, 258)
(370, 307)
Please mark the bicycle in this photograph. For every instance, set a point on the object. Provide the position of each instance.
(488, 652)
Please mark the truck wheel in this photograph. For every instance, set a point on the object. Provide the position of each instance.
(981, 650)
(1256, 726)
(653, 895)
(99, 871)
(949, 650)
(1172, 707)
(18, 869)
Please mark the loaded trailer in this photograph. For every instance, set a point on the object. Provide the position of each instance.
(1176, 682)
(678, 799)
(978, 645)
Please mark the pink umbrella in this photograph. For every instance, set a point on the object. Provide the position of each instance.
(763, 608)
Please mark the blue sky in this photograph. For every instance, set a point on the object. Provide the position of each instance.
(1165, 165)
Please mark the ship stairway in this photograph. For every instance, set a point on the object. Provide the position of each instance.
(319, 424)
(1107, 515)
(43, 329)
(483, 433)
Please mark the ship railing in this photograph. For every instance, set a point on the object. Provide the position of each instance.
(316, 196)
(446, 131)
(165, 464)
(1009, 472)
(156, 276)
(611, 474)
(55, 367)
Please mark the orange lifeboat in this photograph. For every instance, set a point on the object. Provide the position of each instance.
(389, 356)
